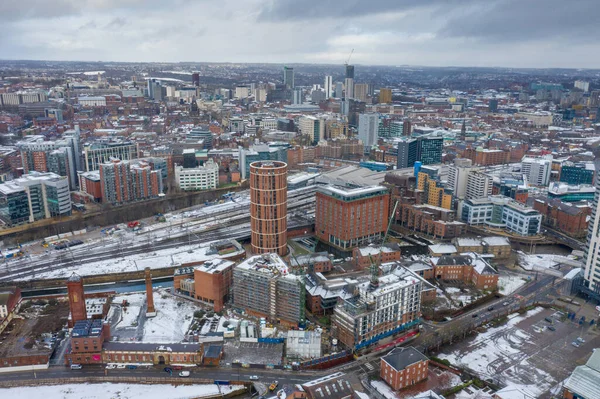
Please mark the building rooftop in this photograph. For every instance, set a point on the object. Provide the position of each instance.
(442, 249)
(270, 265)
(329, 387)
(147, 347)
(585, 380)
(352, 193)
(214, 266)
(401, 358)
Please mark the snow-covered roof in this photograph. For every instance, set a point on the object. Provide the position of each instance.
(496, 241)
(585, 380)
(442, 249)
(573, 273)
(366, 251)
(512, 392)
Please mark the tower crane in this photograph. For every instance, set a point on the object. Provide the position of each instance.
(350, 56)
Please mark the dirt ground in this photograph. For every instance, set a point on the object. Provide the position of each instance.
(24, 335)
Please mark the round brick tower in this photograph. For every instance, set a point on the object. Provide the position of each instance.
(268, 207)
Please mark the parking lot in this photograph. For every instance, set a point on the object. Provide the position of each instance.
(525, 351)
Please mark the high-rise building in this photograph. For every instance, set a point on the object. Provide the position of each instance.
(268, 207)
(427, 150)
(368, 128)
(582, 85)
(196, 79)
(126, 181)
(76, 299)
(328, 86)
(349, 88)
(479, 185)
(97, 154)
(339, 89)
(385, 96)
(457, 177)
(537, 170)
(406, 128)
(288, 77)
(297, 96)
(260, 152)
(312, 127)
(349, 217)
(350, 72)
(33, 197)
(264, 286)
(592, 249)
(577, 173)
(493, 105)
(361, 91)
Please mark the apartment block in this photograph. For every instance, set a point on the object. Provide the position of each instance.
(479, 185)
(431, 220)
(537, 170)
(349, 217)
(365, 256)
(497, 245)
(404, 367)
(318, 262)
(264, 286)
(101, 153)
(487, 157)
(427, 150)
(502, 212)
(470, 268)
(127, 181)
(378, 309)
(571, 219)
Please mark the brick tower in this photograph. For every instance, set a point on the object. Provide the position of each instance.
(76, 299)
(150, 311)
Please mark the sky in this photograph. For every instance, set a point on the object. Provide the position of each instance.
(509, 33)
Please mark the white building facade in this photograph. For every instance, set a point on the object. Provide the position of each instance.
(201, 178)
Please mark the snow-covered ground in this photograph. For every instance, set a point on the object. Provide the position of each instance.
(547, 263)
(120, 391)
(497, 353)
(509, 284)
(384, 389)
(172, 320)
(173, 316)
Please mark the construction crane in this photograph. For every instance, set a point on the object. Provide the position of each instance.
(350, 56)
(374, 267)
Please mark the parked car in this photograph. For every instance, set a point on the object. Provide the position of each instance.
(581, 340)
(253, 377)
(549, 320)
(505, 303)
(76, 367)
(111, 366)
(575, 344)
(132, 367)
(177, 367)
(121, 366)
(490, 308)
(475, 315)
(551, 328)
(168, 370)
(184, 373)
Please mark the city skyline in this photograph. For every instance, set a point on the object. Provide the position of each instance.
(430, 33)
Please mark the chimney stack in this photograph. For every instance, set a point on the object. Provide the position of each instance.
(150, 311)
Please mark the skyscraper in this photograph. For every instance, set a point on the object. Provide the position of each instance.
(328, 86)
(361, 91)
(428, 150)
(297, 96)
(592, 251)
(196, 79)
(368, 125)
(268, 207)
(350, 72)
(349, 85)
(288, 77)
(339, 89)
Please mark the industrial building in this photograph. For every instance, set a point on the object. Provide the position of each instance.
(268, 207)
(264, 286)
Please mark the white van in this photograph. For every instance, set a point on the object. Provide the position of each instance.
(184, 373)
(76, 367)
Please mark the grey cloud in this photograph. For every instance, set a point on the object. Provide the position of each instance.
(309, 9)
(88, 25)
(116, 22)
(518, 20)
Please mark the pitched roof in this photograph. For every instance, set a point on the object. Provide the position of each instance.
(400, 358)
(585, 380)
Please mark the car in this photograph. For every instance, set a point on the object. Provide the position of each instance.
(581, 340)
(111, 366)
(575, 344)
(474, 315)
(121, 366)
(490, 308)
(253, 378)
(177, 367)
(551, 328)
(76, 367)
(184, 373)
(132, 367)
(168, 370)
(505, 303)
(549, 320)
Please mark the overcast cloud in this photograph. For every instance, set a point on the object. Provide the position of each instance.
(517, 33)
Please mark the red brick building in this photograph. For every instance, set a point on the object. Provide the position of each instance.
(431, 220)
(468, 268)
(10, 299)
(378, 255)
(404, 367)
(487, 157)
(87, 338)
(350, 217)
(568, 218)
(76, 299)
(319, 262)
(89, 183)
